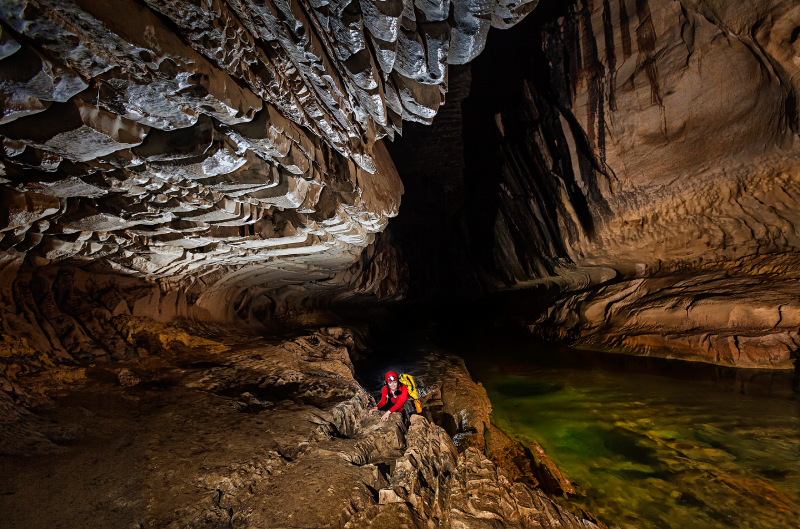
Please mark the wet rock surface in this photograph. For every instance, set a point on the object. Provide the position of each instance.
(651, 442)
(453, 401)
(433, 485)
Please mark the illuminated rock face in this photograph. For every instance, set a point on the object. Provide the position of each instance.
(228, 158)
(644, 160)
(228, 153)
(683, 177)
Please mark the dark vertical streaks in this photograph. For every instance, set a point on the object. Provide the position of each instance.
(646, 39)
(625, 30)
(577, 64)
(559, 52)
(601, 123)
(595, 72)
(687, 32)
(611, 57)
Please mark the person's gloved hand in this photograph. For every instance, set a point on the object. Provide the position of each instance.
(385, 416)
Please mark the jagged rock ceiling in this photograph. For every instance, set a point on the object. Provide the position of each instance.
(222, 149)
(228, 160)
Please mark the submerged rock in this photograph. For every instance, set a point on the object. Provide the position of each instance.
(552, 479)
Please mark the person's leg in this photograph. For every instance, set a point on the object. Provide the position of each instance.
(408, 410)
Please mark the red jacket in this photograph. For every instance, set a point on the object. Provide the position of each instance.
(397, 400)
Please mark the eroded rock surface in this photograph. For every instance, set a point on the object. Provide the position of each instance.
(233, 153)
(236, 141)
(435, 486)
(196, 433)
(453, 401)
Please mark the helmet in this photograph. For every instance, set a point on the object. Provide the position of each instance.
(391, 375)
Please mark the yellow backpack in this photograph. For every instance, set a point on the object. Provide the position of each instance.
(408, 382)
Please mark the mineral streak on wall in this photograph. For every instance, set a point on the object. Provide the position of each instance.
(227, 154)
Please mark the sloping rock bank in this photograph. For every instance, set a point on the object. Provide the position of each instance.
(462, 409)
(253, 434)
(435, 486)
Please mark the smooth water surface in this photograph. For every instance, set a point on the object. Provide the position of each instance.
(653, 443)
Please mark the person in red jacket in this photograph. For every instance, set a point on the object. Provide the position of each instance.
(393, 397)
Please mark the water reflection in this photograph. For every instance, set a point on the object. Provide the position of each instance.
(653, 443)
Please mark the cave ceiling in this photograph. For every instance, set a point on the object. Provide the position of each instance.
(229, 161)
(216, 147)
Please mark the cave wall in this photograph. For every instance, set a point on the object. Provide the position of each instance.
(229, 159)
(641, 158)
(692, 135)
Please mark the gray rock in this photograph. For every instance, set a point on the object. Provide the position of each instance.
(76, 130)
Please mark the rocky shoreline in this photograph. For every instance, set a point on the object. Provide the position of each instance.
(253, 434)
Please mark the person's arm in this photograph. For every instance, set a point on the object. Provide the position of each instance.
(384, 394)
(401, 399)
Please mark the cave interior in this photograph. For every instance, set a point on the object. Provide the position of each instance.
(222, 221)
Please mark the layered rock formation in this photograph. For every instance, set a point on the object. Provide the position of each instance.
(643, 160)
(692, 136)
(180, 143)
(228, 154)
(224, 162)
(435, 485)
(217, 163)
(239, 130)
(233, 154)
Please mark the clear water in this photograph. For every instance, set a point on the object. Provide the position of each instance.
(652, 443)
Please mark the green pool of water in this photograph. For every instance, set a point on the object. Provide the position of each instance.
(652, 443)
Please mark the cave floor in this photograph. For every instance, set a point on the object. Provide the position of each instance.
(260, 434)
(235, 438)
(274, 434)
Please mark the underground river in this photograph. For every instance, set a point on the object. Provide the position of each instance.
(651, 443)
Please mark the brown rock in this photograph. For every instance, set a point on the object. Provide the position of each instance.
(76, 130)
(551, 478)
(448, 489)
(639, 202)
(127, 378)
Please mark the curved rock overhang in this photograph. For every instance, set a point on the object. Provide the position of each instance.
(228, 153)
(224, 161)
